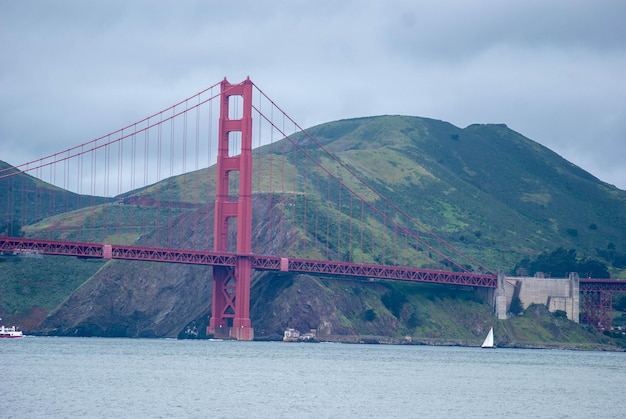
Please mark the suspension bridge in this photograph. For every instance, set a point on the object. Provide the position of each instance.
(180, 186)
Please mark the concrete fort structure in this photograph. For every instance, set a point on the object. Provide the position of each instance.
(556, 293)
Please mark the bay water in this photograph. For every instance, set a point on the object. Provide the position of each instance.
(48, 377)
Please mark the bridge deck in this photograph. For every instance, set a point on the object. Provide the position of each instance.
(259, 262)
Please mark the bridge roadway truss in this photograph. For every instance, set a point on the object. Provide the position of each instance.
(596, 294)
(264, 263)
(596, 301)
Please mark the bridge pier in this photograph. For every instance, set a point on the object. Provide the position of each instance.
(230, 317)
(555, 293)
(242, 327)
(500, 298)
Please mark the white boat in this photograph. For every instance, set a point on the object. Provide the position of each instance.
(10, 332)
(488, 342)
(291, 335)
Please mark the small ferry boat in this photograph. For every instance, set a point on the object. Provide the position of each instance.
(10, 332)
(293, 335)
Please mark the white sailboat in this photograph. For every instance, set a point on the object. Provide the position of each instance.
(488, 343)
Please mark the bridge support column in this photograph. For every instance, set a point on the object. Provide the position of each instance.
(223, 308)
(231, 302)
(231, 286)
(500, 298)
(574, 293)
(242, 328)
(596, 308)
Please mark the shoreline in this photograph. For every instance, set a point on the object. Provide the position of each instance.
(475, 343)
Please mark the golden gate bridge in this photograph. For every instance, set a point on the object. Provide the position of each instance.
(180, 186)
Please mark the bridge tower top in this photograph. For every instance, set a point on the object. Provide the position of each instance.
(232, 128)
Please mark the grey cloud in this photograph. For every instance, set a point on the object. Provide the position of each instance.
(72, 70)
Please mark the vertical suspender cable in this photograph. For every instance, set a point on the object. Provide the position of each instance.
(106, 188)
(170, 180)
(93, 184)
(79, 179)
(270, 189)
(327, 218)
(257, 170)
(159, 207)
(119, 208)
(258, 164)
(417, 249)
(133, 157)
(407, 251)
(66, 180)
(129, 221)
(372, 228)
(317, 192)
(52, 205)
(196, 196)
(350, 249)
(10, 207)
(146, 163)
(384, 235)
(362, 228)
(304, 197)
(209, 239)
(23, 220)
(339, 209)
(184, 220)
(282, 189)
(294, 204)
(395, 250)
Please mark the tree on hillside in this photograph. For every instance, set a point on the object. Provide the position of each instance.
(619, 303)
(593, 269)
(516, 306)
(610, 254)
(560, 262)
(393, 301)
(12, 229)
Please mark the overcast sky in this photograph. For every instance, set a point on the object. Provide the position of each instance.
(555, 71)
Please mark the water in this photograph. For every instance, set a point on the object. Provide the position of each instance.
(145, 378)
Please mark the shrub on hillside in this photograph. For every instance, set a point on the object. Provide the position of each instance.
(516, 307)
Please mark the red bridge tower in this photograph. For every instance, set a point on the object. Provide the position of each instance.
(231, 286)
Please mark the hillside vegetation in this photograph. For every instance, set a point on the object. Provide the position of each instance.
(32, 199)
(486, 189)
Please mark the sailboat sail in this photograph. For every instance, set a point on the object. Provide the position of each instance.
(488, 343)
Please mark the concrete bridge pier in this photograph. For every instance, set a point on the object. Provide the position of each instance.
(496, 297)
(555, 293)
(500, 298)
(574, 294)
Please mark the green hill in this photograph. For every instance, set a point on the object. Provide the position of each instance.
(34, 200)
(486, 189)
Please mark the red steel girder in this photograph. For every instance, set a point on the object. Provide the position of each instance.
(596, 308)
(596, 300)
(173, 256)
(50, 247)
(53, 247)
(614, 285)
(257, 262)
(376, 271)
